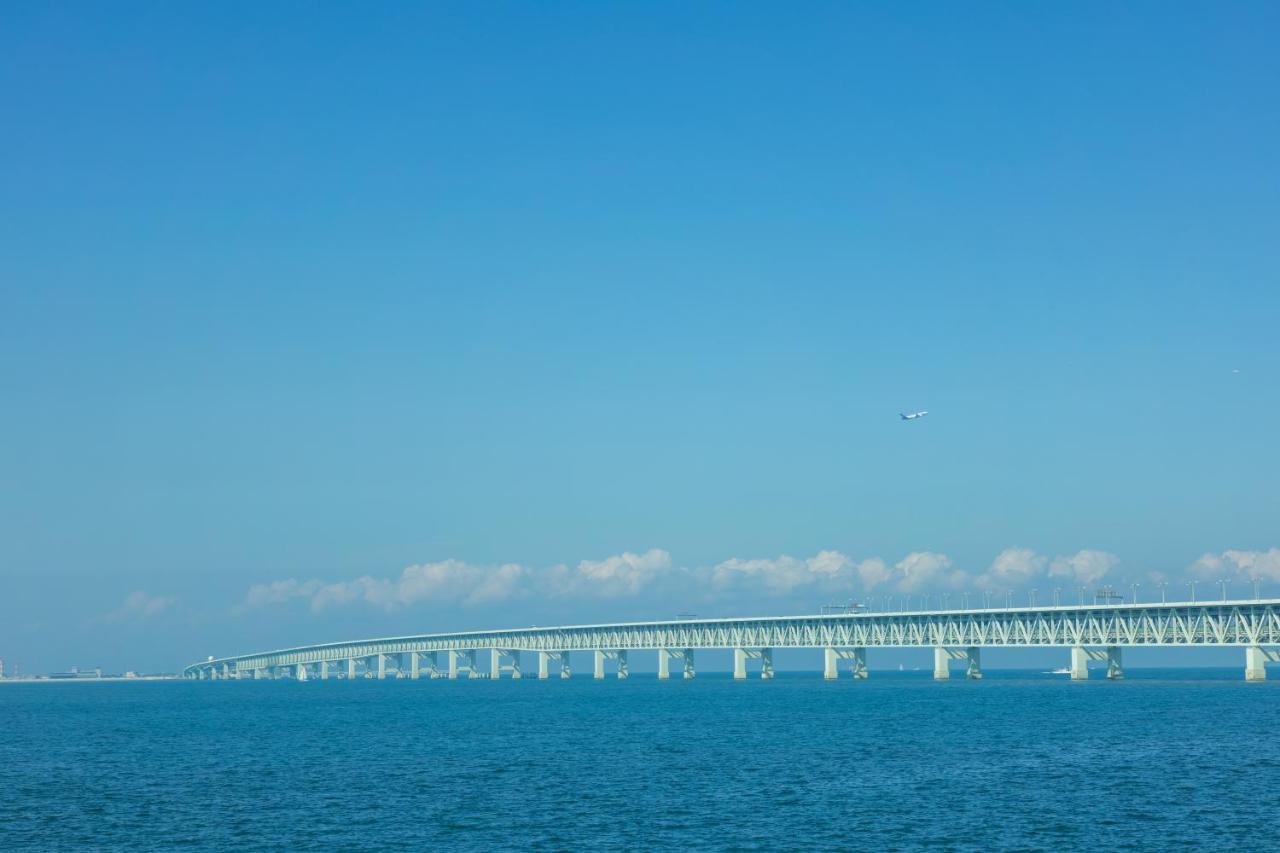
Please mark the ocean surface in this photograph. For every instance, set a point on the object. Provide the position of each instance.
(1167, 759)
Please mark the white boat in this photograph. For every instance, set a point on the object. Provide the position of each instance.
(1060, 671)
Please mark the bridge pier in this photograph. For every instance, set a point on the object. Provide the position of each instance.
(740, 656)
(664, 665)
(1255, 663)
(564, 665)
(453, 664)
(543, 668)
(324, 670)
(941, 664)
(599, 670)
(689, 671)
(860, 663)
(1079, 664)
(351, 669)
(1115, 671)
(300, 672)
(973, 656)
(829, 664)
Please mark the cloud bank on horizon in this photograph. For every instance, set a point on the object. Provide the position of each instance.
(653, 573)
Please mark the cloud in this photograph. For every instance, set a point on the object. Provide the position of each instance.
(924, 570)
(454, 582)
(1239, 564)
(619, 575)
(1084, 567)
(140, 605)
(785, 574)
(1012, 567)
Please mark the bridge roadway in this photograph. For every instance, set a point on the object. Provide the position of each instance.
(1091, 632)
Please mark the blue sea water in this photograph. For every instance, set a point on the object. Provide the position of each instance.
(1164, 760)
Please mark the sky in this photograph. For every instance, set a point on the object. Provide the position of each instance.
(321, 321)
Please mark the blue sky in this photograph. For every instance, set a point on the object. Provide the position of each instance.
(295, 299)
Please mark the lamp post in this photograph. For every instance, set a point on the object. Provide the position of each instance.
(1134, 586)
(1031, 597)
(1164, 585)
(1223, 581)
(1057, 596)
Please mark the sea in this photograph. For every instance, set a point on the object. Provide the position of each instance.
(1022, 760)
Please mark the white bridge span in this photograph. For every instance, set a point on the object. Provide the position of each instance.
(1094, 632)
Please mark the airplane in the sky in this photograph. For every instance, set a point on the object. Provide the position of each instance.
(912, 416)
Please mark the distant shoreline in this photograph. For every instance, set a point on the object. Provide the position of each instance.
(112, 678)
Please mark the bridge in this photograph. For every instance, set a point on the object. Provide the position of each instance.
(1090, 632)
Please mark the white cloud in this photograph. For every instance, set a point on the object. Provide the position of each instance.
(1239, 564)
(454, 582)
(1084, 567)
(1012, 567)
(619, 575)
(873, 572)
(827, 569)
(140, 605)
(924, 570)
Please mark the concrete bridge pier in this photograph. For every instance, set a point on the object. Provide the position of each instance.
(300, 672)
(564, 665)
(351, 669)
(830, 663)
(324, 670)
(543, 665)
(664, 664)
(623, 672)
(1079, 664)
(973, 669)
(941, 663)
(739, 664)
(859, 663)
(453, 664)
(599, 668)
(1115, 671)
(1255, 662)
(415, 665)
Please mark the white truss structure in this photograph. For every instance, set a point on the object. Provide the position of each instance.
(1250, 624)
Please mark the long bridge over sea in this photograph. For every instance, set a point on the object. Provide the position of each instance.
(1091, 632)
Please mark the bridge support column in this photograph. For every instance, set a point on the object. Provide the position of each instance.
(599, 672)
(1079, 664)
(860, 663)
(543, 665)
(739, 664)
(830, 663)
(664, 665)
(766, 663)
(415, 665)
(495, 664)
(623, 672)
(257, 673)
(1255, 664)
(453, 663)
(688, 664)
(382, 666)
(324, 670)
(300, 672)
(1115, 671)
(564, 665)
(973, 656)
(941, 664)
